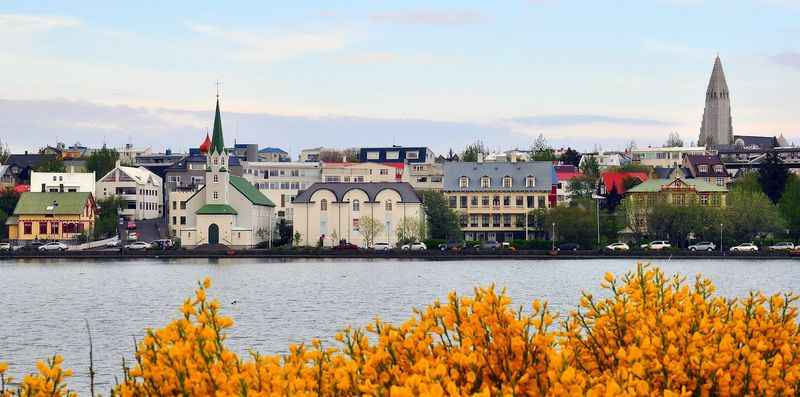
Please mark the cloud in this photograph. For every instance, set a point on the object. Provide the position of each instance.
(565, 120)
(431, 17)
(20, 23)
(790, 59)
(257, 46)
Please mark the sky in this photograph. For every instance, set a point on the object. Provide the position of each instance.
(442, 74)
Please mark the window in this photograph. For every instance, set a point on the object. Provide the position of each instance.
(463, 201)
(358, 179)
(485, 201)
(541, 203)
(506, 201)
(332, 179)
(679, 199)
(531, 202)
(715, 200)
(216, 161)
(412, 155)
(485, 220)
(356, 224)
(453, 201)
(174, 220)
(473, 221)
(463, 182)
(384, 172)
(702, 168)
(473, 201)
(506, 220)
(486, 182)
(718, 168)
(216, 195)
(495, 220)
(42, 227)
(392, 155)
(720, 181)
(273, 172)
(216, 178)
(703, 199)
(530, 181)
(373, 155)
(496, 201)
(323, 205)
(520, 200)
(356, 206)
(417, 168)
(26, 228)
(183, 205)
(183, 220)
(388, 205)
(174, 205)
(507, 181)
(462, 220)
(294, 172)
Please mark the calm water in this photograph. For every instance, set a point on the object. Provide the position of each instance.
(43, 304)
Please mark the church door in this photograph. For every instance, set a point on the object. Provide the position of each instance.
(213, 234)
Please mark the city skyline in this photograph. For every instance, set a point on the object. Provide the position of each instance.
(395, 73)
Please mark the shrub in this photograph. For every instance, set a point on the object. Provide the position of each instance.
(532, 244)
(433, 243)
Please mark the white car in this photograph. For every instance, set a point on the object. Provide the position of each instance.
(745, 247)
(113, 243)
(381, 247)
(137, 246)
(54, 246)
(5, 247)
(618, 247)
(418, 246)
(782, 247)
(657, 245)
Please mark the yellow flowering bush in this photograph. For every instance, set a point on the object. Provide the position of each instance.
(650, 335)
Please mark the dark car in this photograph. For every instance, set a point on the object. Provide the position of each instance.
(491, 245)
(452, 246)
(32, 247)
(345, 247)
(569, 247)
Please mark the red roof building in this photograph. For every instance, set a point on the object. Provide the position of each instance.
(616, 180)
(205, 145)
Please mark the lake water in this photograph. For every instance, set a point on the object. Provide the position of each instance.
(44, 303)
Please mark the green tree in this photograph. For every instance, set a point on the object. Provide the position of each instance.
(613, 199)
(297, 239)
(678, 223)
(747, 181)
(541, 150)
(789, 205)
(51, 164)
(105, 224)
(3, 228)
(772, 176)
(442, 222)
(409, 230)
(582, 187)
(370, 228)
(572, 224)
(751, 214)
(571, 157)
(102, 161)
(472, 151)
(590, 167)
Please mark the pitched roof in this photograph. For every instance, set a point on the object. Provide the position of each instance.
(762, 142)
(249, 191)
(567, 172)
(657, 185)
(216, 209)
(68, 203)
(617, 179)
(542, 171)
(28, 160)
(217, 142)
(272, 150)
(717, 83)
(406, 191)
(139, 174)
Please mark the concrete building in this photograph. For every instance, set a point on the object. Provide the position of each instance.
(717, 125)
(669, 157)
(282, 181)
(227, 210)
(565, 174)
(51, 216)
(331, 212)
(425, 176)
(273, 155)
(141, 190)
(128, 153)
(493, 199)
(676, 191)
(364, 172)
(312, 154)
(62, 182)
(396, 154)
(606, 159)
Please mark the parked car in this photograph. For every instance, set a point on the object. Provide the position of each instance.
(5, 246)
(703, 246)
(618, 247)
(345, 247)
(568, 247)
(54, 246)
(131, 225)
(418, 246)
(163, 244)
(451, 246)
(745, 247)
(381, 247)
(785, 246)
(138, 246)
(491, 245)
(113, 243)
(657, 245)
(32, 247)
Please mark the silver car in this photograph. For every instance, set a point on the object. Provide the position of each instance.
(785, 246)
(703, 246)
(54, 246)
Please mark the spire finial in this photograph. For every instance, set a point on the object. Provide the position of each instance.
(219, 86)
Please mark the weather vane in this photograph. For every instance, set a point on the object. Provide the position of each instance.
(219, 86)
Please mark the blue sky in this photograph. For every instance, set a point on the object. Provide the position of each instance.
(342, 73)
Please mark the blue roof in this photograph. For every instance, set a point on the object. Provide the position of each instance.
(272, 150)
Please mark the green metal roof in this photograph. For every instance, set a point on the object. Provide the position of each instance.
(37, 203)
(217, 142)
(655, 185)
(216, 209)
(250, 191)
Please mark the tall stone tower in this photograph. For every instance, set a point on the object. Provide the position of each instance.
(717, 126)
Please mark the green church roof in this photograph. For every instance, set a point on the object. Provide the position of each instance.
(37, 203)
(250, 192)
(216, 209)
(217, 142)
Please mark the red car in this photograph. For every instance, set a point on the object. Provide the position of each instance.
(131, 225)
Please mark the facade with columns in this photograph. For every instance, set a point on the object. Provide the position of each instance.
(227, 210)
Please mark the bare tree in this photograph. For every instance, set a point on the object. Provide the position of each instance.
(370, 228)
(409, 230)
(674, 140)
(4, 152)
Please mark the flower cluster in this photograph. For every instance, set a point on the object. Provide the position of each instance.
(48, 382)
(650, 335)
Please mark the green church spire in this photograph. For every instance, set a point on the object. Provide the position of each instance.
(217, 143)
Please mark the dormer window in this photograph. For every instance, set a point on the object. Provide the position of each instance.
(530, 181)
(507, 182)
(718, 168)
(463, 182)
(702, 168)
(486, 182)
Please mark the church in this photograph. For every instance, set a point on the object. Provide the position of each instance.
(227, 210)
(717, 126)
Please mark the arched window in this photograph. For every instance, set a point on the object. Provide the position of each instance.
(356, 206)
(463, 182)
(216, 195)
(323, 205)
(216, 161)
(216, 178)
(486, 182)
(388, 205)
(507, 181)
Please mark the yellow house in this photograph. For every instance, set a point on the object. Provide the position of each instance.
(51, 216)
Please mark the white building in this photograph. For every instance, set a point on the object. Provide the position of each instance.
(141, 190)
(63, 182)
(227, 210)
(606, 159)
(330, 212)
(425, 176)
(282, 181)
(668, 157)
(364, 172)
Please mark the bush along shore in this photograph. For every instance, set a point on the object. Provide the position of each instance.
(649, 335)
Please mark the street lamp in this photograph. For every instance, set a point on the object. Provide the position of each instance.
(720, 240)
(597, 199)
(553, 238)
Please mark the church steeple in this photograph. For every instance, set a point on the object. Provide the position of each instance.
(717, 125)
(217, 142)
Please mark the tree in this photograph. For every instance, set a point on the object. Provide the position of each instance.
(284, 232)
(789, 205)
(571, 157)
(581, 187)
(473, 151)
(297, 239)
(674, 140)
(572, 224)
(590, 167)
(541, 150)
(102, 161)
(751, 214)
(51, 164)
(772, 176)
(3, 228)
(105, 224)
(678, 223)
(409, 230)
(4, 152)
(613, 199)
(747, 181)
(339, 155)
(370, 228)
(442, 222)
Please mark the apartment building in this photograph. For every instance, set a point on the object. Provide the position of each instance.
(494, 199)
(282, 181)
(669, 157)
(364, 172)
(141, 190)
(62, 182)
